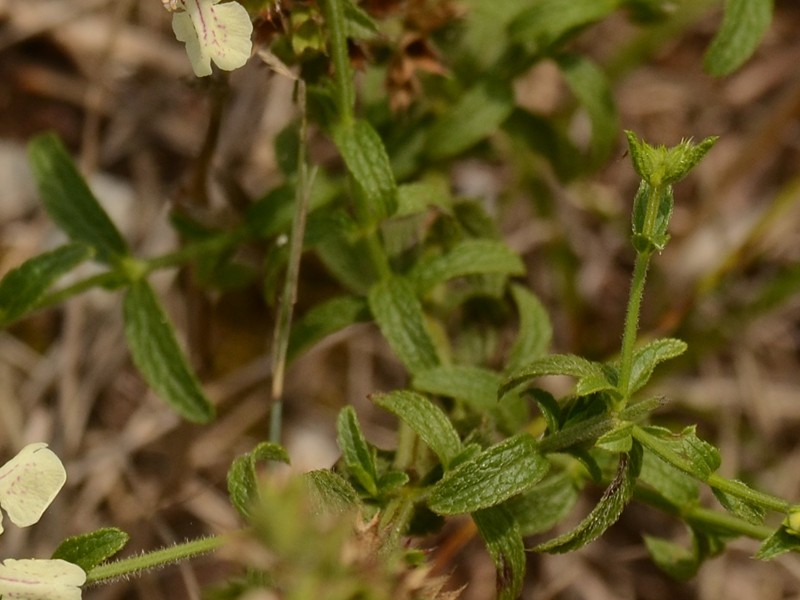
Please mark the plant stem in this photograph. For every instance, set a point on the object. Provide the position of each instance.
(333, 11)
(728, 486)
(151, 560)
(632, 323)
(704, 517)
(283, 324)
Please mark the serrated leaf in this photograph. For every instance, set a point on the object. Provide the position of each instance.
(242, 478)
(591, 376)
(478, 113)
(617, 440)
(503, 540)
(535, 330)
(549, 21)
(419, 196)
(426, 419)
(399, 315)
(744, 510)
(780, 542)
(743, 25)
(684, 451)
(505, 469)
(544, 506)
(358, 456)
(675, 486)
(470, 257)
(548, 406)
(330, 491)
(157, 355)
(366, 159)
(648, 357)
(607, 510)
(88, 550)
(325, 319)
(589, 85)
(21, 288)
(68, 200)
(391, 481)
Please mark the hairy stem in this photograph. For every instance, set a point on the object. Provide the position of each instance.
(333, 11)
(632, 323)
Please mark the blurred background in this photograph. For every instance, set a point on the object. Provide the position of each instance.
(112, 81)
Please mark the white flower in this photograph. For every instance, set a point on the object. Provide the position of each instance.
(40, 580)
(28, 484)
(212, 31)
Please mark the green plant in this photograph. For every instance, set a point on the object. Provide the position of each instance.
(431, 270)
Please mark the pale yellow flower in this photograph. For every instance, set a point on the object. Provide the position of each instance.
(212, 31)
(28, 484)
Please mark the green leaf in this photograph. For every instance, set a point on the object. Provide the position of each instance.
(242, 476)
(68, 200)
(21, 288)
(399, 315)
(544, 506)
(646, 358)
(419, 196)
(357, 23)
(535, 330)
(547, 22)
(88, 550)
(675, 560)
(744, 24)
(366, 159)
(592, 376)
(778, 543)
(330, 491)
(548, 406)
(503, 540)
(478, 113)
(158, 357)
(607, 510)
(325, 319)
(426, 419)
(751, 513)
(470, 257)
(344, 258)
(358, 456)
(476, 387)
(685, 450)
(675, 486)
(651, 235)
(390, 481)
(590, 86)
(505, 469)
(617, 440)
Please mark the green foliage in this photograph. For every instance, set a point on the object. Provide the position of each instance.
(69, 201)
(431, 271)
(243, 478)
(744, 24)
(88, 550)
(24, 286)
(157, 355)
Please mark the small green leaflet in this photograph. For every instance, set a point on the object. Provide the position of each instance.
(503, 540)
(325, 319)
(645, 359)
(88, 550)
(70, 202)
(545, 505)
(780, 542)
(157, 355)
(426, 419)
(744, 24)
(607, 510)
(592, 376)
(243, 475)
(508, 468)
(22, 287)
(548, 22)
(330, 491)
(535, 330)
(358, 456)
(399, 315)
